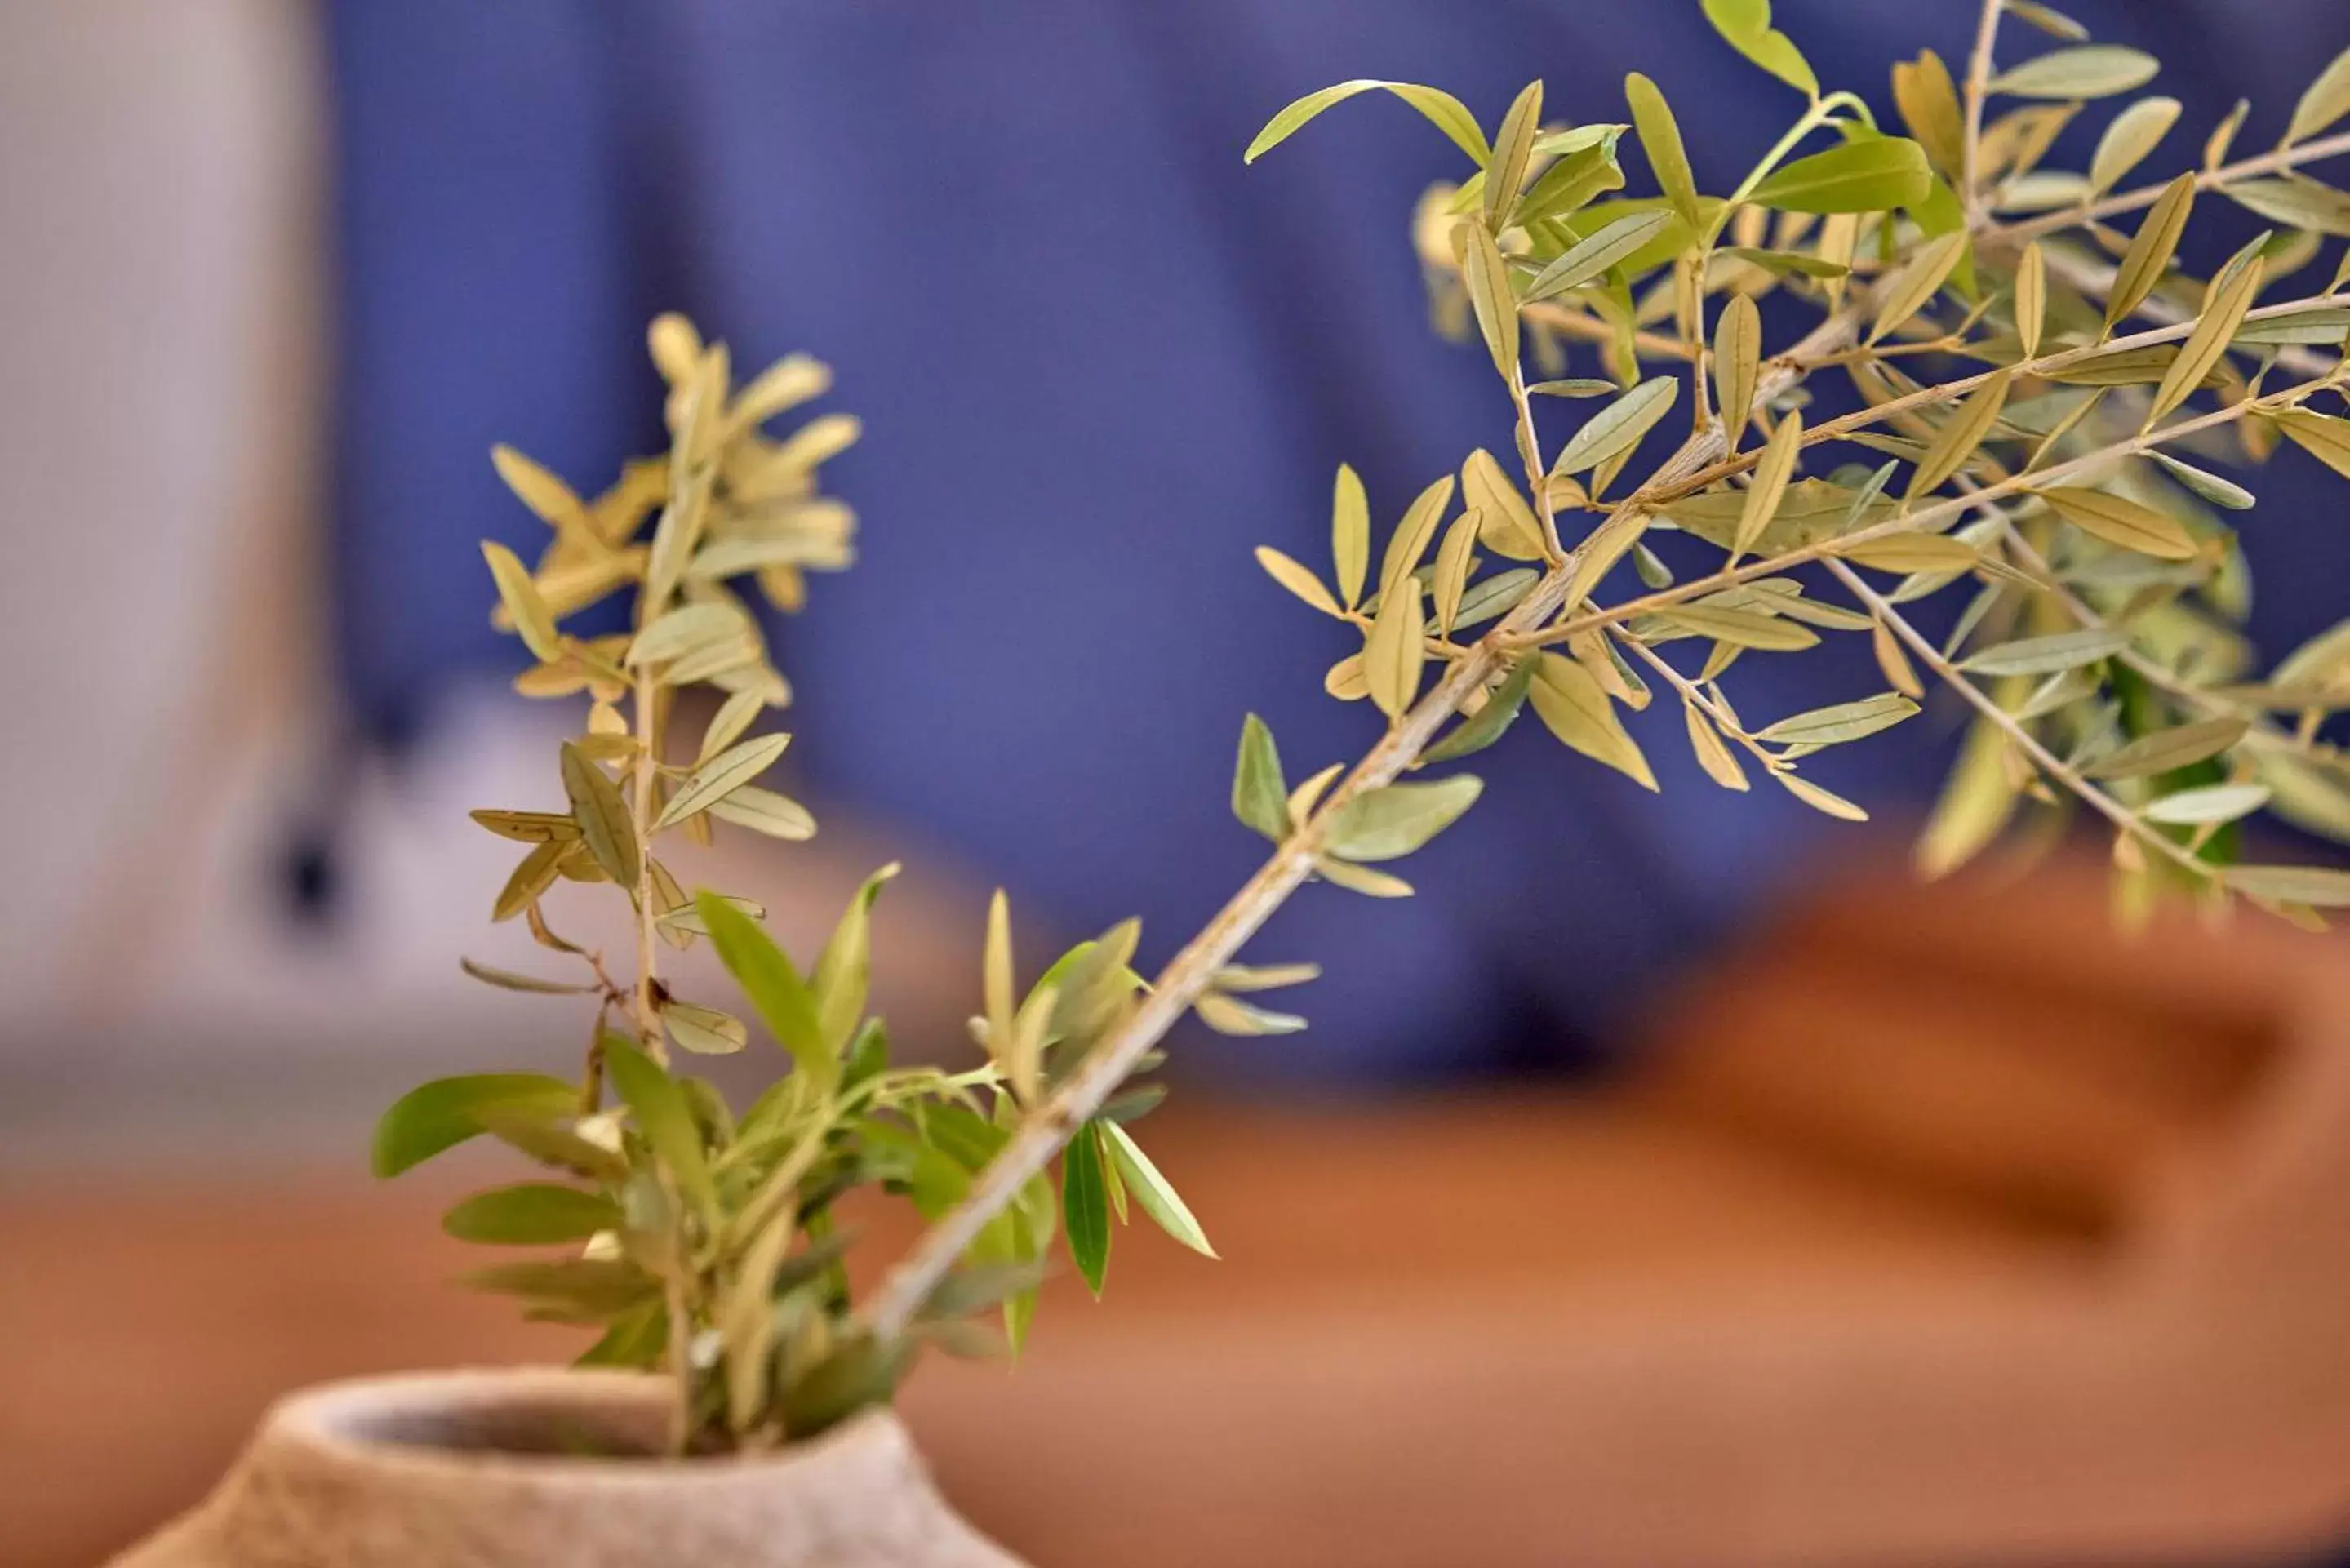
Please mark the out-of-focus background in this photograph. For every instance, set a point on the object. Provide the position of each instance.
(1670, 1181)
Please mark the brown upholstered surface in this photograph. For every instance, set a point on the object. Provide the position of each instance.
(1706, 1272)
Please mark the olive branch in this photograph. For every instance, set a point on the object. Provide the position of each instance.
(2021, 513)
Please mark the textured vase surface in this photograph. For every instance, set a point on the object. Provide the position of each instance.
(467, 1469)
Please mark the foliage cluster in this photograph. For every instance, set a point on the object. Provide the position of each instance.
(2041, 402)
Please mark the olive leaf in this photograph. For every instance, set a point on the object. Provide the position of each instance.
(1872, 175)
(1442, 109)
(1392, 821)
(1260, 796)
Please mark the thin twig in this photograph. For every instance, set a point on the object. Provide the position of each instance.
(1050, 1125)
(2018, 733)
(2275, 163)
(1924, 519)
(1977, 89)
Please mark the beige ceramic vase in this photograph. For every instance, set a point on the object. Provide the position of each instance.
(471, 1470)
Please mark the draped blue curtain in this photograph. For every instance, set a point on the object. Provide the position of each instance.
(1097, 361)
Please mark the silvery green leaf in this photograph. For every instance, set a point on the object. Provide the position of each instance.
(1153, 1193)
(721, 776)
(1442, 110)
(1589, 258)
(2168, 749)
(1494, 596)
(2218, 492)
(1842, 722)
(2327, 100)
(1485, 726)
(2046, 655)
(1236, 976)
(1392, 821)
(2319, 887)
(1660, 139)
(1260, 796)
(602, 813)
(507, 979)
(1229, 1015)
(2210, 803)
(1620, 426)
(2090, 70)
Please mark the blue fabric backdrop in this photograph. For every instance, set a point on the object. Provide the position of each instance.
(1098, 360)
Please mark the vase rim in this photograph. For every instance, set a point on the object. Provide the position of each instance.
(333, 1420)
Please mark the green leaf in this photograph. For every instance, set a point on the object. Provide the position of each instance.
(1085, 1205)
(552, 1144)
(1514, 147)
(2208, 804)
(2233, 296)
(2327, 100)
(1260, 797)
(1772, 470)
(1660, 139)
(1395, 651)
(1929, 101)
(704, 1031)
(2049, 20)
(783, 999)
(1393, 820)
(1577, 178)
(1739, 628)
(445, 1112)
(1297, 579)
(527, 826)
(1746, 24)
(1361, 879)
(1820, 800)
(1873, 175)
(1574, 707)
(2150, 250)
(721, 776)
(1960, 436)
(1409, 540)
(1909, 291)
(844, 972)
(520, 595)
(1589, 258)
(533, 1214)
(1736, 367)
(2047, 655)
(507, 979)
(688, 630)
(659, 1107)
(2218, 492)
(1264, 977)
(602, 813)
(1152, 1192)
(2122, 523)
(2135, 132)
(591, 1290)
(860, 1371)
(2302, 203)
(1619, 427)
(1490, 296)
(2092, 70)
(1231, 1015)
(1442, 110)
(1350, 535)
(2316, 885)
(764, 811)
(1487, 725)
(1845, 721)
